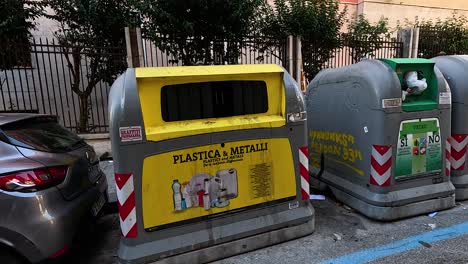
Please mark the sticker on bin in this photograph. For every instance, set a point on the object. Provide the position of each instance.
(445, 98)
(130, 133)
(391, 103)
(459, 144)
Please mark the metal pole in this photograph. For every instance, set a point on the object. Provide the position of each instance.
(298, 60)
(128, 43)
(415, 46)
(290, 55)
(140, 47)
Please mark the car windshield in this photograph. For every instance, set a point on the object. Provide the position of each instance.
(42, 135)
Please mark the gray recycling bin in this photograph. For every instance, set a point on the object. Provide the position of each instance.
(455, 71)
(210, 161)
(381, 155)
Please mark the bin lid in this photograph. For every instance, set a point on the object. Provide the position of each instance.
(206, 71)
(428, 100)
(455, 68)
(152, 81)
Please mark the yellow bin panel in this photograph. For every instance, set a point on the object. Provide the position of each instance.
(237, 175)
(151, 80)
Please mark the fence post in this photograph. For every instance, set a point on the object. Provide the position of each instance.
(294, 57)
(129, 47)
(406, 37)
(298, 60)
(134, 47)
(415, 47)
(410, 38)
(290, 55)
(140, 47)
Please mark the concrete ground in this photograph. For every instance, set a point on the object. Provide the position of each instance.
(341, 232)
(99, 245)
(341, 236)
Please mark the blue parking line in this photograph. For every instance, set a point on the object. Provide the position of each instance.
(399, 246)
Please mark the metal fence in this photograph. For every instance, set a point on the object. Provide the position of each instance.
(434, 42)
(316, 56)
(36, 77)
(354, 50)
(248, 50)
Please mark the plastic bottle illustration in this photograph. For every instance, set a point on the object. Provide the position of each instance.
(206, 195)
(187, 197)
(222, 201)
(206, 201)
(177, 195)
(188, 202)
(223, 195)
(206, 183)
(200, 198)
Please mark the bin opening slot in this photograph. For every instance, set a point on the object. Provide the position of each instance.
(213, 99)
(414, 84)
(418, 83)
(187, 101)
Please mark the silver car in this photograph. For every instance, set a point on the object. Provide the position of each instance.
(50, 183)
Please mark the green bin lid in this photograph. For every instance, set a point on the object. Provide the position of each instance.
(428, 100)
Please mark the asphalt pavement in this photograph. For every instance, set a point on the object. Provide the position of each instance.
(342, 236)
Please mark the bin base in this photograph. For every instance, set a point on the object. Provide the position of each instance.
(461, 194)
(264, 231)
(461, 187)
(395, 212)
(392, 205)
(242, 245)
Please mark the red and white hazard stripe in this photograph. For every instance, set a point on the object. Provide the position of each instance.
(458, 151)
(126, 200)
(304, 171)
(447, 156)
(381, 165)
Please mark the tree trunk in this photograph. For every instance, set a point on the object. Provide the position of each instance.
(84, 113)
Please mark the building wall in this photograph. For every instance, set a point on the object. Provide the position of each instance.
(397, 11)
(437, 4)
(351, 7)
(45, 26)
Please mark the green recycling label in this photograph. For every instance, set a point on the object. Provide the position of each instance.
(419, 147)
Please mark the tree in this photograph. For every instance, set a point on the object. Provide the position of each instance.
(317, 22)
(447, 36)
(17, 18)
(16, 21)
(190, 30)
(364, 38)
(92, 32)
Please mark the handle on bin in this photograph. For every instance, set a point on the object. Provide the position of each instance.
(322, 166)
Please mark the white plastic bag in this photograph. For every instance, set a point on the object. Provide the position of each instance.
(415, 86)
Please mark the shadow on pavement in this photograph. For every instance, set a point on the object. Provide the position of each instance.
(98, 243)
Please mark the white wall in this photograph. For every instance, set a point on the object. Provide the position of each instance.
(45, 27)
